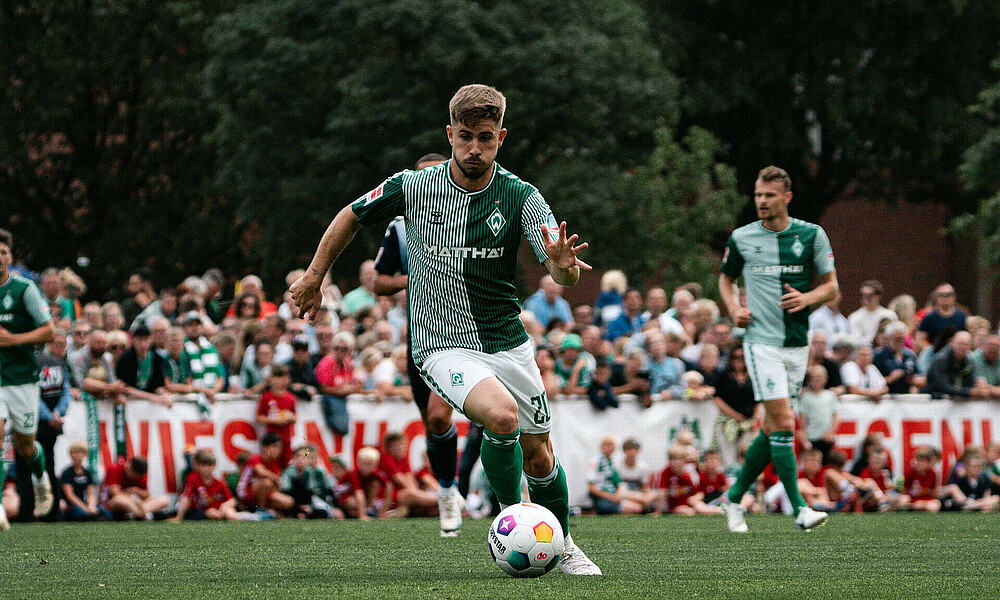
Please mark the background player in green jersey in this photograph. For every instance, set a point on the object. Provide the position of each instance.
(464, 223)
(779, 258)
(24, 322)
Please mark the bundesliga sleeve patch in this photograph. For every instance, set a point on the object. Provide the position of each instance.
(550, 221)
(375, 194)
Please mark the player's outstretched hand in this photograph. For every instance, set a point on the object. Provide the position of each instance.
(561, 250)
(793, 300)
(307, 296)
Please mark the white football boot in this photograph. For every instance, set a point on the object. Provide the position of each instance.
(4, 523)
(575, 562)
(450, 509)
(43, 494)
(809, 518)
(735, 516)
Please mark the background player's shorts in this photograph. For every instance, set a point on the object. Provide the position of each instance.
(776, 372)
(19, 404)
(454, 373)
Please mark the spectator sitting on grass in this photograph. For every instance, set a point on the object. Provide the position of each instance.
(10, 502)
(79, 487)
(205, 496)
(125, 494)
(680, 495)
(712, 482)
(877, 472)
(635, 475)
(972, 490)
(364, 490)
(259, 485)
(308, 486)
(407, 497)
(921, 483)
(605, 486)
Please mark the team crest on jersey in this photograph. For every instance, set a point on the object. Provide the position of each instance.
(8, 302)
(496, 222)
(797, 247)
(457, 379)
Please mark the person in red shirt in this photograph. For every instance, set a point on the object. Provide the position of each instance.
(125, 494)
(335, 376)
(205, 496)
(407, 497)
(259, 485)
(276, 410)
(362, 492)
(920, 482)
(877, 474)
(812, 480)
(711, 480)
(680, 495)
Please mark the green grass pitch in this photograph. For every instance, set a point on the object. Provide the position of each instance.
(950, 556)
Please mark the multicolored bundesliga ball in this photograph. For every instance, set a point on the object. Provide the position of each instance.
(526, 540)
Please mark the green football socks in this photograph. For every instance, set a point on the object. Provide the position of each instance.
(503, 462)
(552, 492)
(783, 457)
(37, 462)
(757, 456)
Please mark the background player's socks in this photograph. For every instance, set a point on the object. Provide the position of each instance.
(444, 459)
(754, 462)
(783, 457)
(503, 462)
(552, 492)
(37, 462)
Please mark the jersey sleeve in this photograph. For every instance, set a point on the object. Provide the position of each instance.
(384, 202)
(36, 305)
(732, 260)
(535, 212)
(822, 253)
(388, 260)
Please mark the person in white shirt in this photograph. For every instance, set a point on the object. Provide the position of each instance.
(827, 318)
(862, 377)
(864, 322)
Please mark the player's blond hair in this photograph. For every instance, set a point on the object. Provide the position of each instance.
(475, 103)
(773, 173)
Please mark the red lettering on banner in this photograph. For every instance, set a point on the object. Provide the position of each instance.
(880, 426)
(105, 450)
(987, 432)
(843, 428)
(910, 429)
(966, 432)
(412, 430)
(167, 449)
(359, 440)
(315, 437)
(230, 431)
(949, 448)
(195, 429)
(143, 440)
(383, 427)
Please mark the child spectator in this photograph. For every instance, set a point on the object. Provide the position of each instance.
(971, 491)
(921, 483)
(204, 495)
(364, 489)
(635, 475)
(276, 409)
(680, 495)
(685, 441)
(878, 473)
(818, 411)
(307, 485)
(599, 392)
(232, 478)
(694, 386)
(546, 361)
(605, 485)
(407, 497)
(259, 485)
(125, 494)
(992, 455)
(712, 482)
(340, 488)
(79, 487)
(812, 480)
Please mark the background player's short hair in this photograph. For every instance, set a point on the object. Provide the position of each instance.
(474, 103)
(6, 238)
(773, 173)
(427, 158)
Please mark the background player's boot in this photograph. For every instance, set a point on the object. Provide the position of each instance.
(450, 509)
(4, 523)
(735, 514)
(575, 562)
(809, 518)
(43, 494)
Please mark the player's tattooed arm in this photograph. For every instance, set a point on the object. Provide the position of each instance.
(306, 292)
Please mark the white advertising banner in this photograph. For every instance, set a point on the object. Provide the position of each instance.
(161, 434)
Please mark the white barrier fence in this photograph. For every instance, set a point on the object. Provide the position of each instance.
(161, 434)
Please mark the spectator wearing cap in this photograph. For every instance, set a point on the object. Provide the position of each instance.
(896, 362)
(630, 321)
(574, 366)
(142, 369)
(548, 304)
(952, 373)
(204, 367)
(300, 369)
(864, 322)
(945, 312)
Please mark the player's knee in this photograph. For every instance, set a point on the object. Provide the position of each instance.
(24, 445)
(539, 464)
(438, 418)
(502, 419)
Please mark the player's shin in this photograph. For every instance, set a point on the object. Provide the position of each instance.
(754, 462)
(444, 459)
(503, 462)
(783, 457)
(552, 492)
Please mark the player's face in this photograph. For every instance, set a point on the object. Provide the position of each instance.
(5, 258)
(474, 147)
(771, 199)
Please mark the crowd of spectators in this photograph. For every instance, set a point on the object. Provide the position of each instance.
(651, 346)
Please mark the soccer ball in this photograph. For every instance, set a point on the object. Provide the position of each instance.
(526, 540)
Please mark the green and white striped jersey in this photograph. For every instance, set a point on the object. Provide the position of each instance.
(462, 253)
(768, 260)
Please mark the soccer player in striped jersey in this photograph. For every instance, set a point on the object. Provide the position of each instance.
(464, 222)
(440, 433)
(779, 258)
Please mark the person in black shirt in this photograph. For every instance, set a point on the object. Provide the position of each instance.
(735, 401)
(971, 491)
(302, 370)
